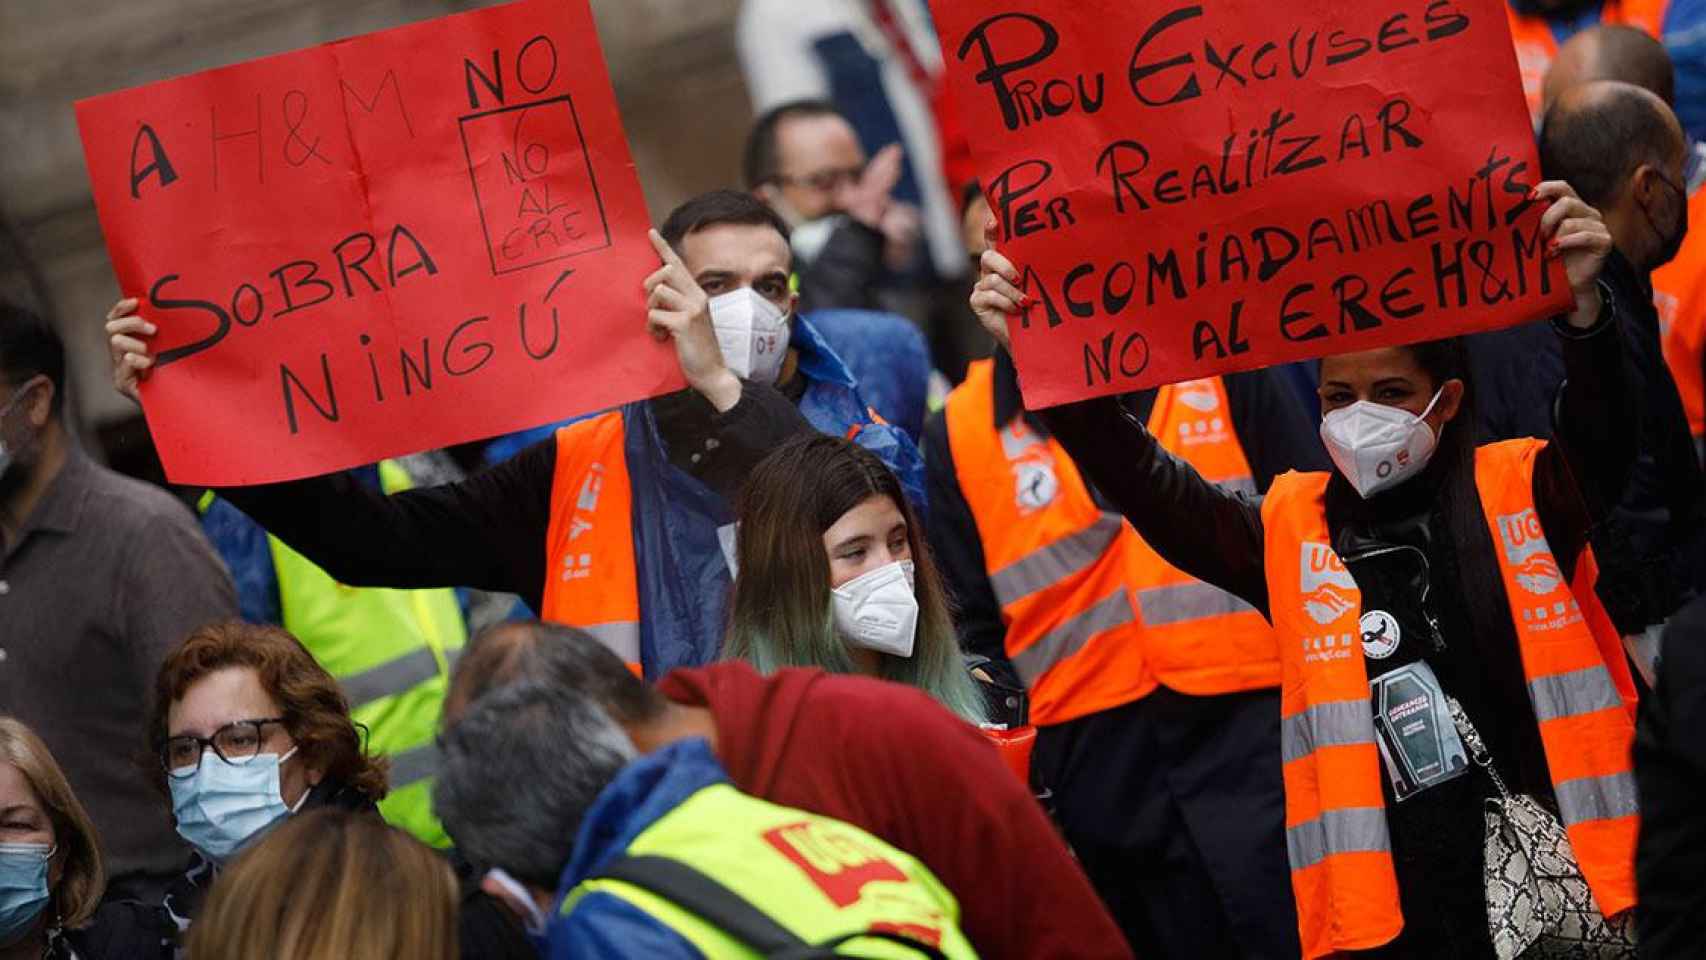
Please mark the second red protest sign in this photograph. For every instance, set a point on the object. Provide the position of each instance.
(1193, 189)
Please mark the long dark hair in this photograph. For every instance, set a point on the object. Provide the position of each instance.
(783, 614)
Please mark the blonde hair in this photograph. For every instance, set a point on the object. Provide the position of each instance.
(331, 885)
(82, 879)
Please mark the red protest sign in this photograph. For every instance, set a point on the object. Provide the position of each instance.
(1194, 189)
(381, 245)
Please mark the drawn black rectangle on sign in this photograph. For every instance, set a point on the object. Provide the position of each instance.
(496, 222)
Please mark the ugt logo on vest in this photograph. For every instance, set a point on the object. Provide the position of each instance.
(1328, 590)
(835, 861)
(1528, 553)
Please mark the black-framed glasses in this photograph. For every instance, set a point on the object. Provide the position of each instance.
(234, 743)
(825, 181)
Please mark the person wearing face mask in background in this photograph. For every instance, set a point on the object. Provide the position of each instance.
(617, 523)
(1679, 287)
(99, 576)
(1621, 146)
(51, 876)
(247, 731)
(831, 574)
(1422, 567)
(250, 731)
(804, 160)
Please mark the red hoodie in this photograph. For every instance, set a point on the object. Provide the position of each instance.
(889, 759)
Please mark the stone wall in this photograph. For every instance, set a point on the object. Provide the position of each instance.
(683, 104)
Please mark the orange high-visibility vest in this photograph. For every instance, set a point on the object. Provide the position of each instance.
(590, 578)
(1072, 580)
(1537, 47)
(1679, 291)
(1578, 682)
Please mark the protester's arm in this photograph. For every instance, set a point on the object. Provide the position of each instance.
(487, 531)
(173, 584)
(1212, 534)
(742, 436)
(958, 550)
(1595, 437)
(1275, 430)
(1209, 533)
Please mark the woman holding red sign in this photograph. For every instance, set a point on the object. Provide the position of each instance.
(1452, 693)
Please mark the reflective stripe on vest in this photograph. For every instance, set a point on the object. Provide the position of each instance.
(1537, 46)
(591, 581)
(412, 766)
(396, 676)
(1200, 639)
(1343, 876)
(1679, 293)
(819, 878)
(1061, 569)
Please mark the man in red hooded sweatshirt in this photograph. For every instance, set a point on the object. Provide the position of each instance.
(880, 756)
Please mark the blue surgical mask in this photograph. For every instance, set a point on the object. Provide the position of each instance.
(226, 805)
(23, 887)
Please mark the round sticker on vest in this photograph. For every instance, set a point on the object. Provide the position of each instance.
(1379, 634)
(1036, 485)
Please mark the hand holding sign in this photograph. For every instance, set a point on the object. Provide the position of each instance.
(1578, 234)
(1574, 231)
(677, 308)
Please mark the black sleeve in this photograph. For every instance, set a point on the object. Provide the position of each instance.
(958, 550)
(1580, 475)
(1276, 431)
(1670, 774)
(1194, 525)
(845, 271)
(487, 531)
(746, 433)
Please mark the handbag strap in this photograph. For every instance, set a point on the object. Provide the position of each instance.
(1477, 747)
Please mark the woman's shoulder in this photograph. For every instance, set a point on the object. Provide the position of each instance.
(121, 930)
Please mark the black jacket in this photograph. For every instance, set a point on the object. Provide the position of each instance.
(1650, 549)
(488, 532)
(1274, 430)
(845, 273)
(1218, 537)
(119, 930)
(1670, 770)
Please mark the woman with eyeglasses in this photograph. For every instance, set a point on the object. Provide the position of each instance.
(250, 730)
(51, 878)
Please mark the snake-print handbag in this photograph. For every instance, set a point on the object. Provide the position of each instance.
(1538, 902)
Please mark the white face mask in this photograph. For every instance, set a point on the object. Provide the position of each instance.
(809, 238)
(879, 611)
(1377, 447)
(752, 332)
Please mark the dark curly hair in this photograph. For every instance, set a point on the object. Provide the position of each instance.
(315, 710)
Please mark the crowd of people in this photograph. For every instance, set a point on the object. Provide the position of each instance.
(843, 650)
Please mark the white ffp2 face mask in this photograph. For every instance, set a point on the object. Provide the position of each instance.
(879, 610)
(1377, 446)
(752, 332)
